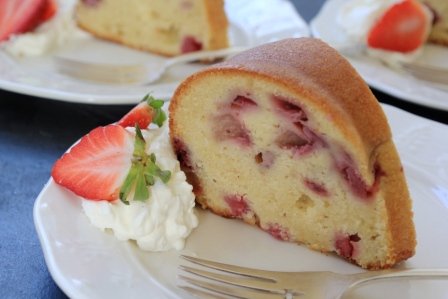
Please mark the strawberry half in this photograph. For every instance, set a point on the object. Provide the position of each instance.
(107, 164)
(19, 16)
(96, 167)
(402, 28)
(147, 112)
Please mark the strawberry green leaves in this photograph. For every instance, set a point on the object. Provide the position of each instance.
(144, 171)
(159, 116)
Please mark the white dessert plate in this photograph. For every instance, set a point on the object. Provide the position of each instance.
(392, 81)
(252, 22)
(88, 263)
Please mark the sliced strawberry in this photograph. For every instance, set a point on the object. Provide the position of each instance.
(96, 167)
(19, 16)
(402, 28)
(107, 164)
(149, 110)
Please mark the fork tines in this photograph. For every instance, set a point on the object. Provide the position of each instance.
(101, 72)
(238, 282)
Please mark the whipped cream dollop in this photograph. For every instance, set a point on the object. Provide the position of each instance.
(49, 36)
(357, 17)
(163, 221)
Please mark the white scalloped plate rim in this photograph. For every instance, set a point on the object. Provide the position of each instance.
(251, 23)
(88, 263)
(376, 74)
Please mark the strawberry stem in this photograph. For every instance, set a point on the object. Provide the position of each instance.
(143, 172)
(159, 115)
(128, 184)
(141, 189)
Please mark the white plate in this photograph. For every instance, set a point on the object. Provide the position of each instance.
(87, 263)
(379, 76)
(252, 22)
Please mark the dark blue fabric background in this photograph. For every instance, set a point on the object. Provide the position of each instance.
(34, 132)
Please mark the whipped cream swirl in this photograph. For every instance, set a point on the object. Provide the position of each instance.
(163, 221)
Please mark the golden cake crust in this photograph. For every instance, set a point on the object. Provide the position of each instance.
(328, 80)
(313, 70)
(217, 21)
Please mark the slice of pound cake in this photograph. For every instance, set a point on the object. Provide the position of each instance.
(164, 27)
(439, 32)
(287, 136)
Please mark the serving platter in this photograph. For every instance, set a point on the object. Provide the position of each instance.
(88, 263)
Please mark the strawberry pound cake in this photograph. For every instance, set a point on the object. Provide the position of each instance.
(288, 137)
(163, 27)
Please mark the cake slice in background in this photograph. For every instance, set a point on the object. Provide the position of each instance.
(163, 27)
(439, 32)
(288, 137)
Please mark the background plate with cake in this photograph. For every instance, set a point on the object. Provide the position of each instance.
(250, 23)
(329, 26)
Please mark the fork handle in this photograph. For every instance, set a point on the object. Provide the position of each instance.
(204, 55)
(400, 274)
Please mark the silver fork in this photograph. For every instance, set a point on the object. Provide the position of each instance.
(427, 72)
(141, 73)
(241, 282)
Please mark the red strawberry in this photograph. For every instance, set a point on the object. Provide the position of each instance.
(140, 115)
(190, 44)
(238, 204)
(107, 164)
(149, 110)
(19, 16)
(50, 10)
(402, 28)
(96, 167)
(242, 103)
